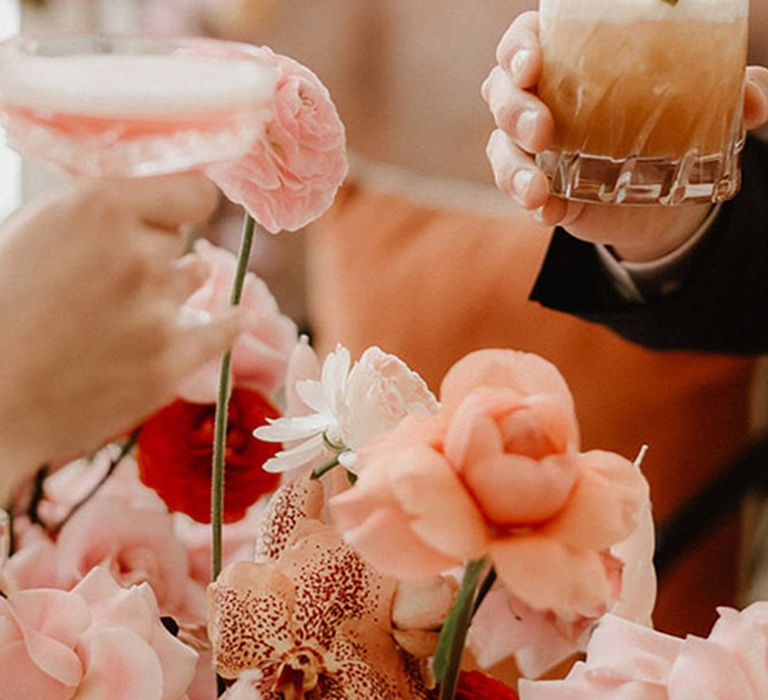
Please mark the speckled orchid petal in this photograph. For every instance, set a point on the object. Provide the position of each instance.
(292, 503)
(314, 618)
(249, 619)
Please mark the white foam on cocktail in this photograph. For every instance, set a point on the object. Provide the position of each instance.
(108, 85)
(632, 10)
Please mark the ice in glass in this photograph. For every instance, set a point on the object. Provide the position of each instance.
(646, 97)
(109, 106)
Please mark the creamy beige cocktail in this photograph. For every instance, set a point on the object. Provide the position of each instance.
(646, 97)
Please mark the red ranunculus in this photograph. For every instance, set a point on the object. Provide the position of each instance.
(474, 685)
(175, 450)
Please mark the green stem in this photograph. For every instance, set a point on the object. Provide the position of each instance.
(222, 404)
(484, 589)
(323, 469)
(453, 636)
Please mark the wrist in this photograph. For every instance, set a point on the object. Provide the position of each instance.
(667, 231)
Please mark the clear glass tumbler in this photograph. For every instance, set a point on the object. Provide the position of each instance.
(647, 98)
(128, 106)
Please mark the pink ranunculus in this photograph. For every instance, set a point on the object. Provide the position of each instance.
(498, 473)
(293, 172)
(97, 641)
(260, 355)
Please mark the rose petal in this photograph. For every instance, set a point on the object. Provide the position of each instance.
(547, 575)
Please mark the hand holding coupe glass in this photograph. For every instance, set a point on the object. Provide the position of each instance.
(675, 139)
(92, 279)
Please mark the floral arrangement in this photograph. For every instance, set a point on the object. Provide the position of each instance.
(289, 528)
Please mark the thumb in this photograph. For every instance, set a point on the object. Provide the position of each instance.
(756, 98)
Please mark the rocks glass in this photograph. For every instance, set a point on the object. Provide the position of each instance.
(647, 98)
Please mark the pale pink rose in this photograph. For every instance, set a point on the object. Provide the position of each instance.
(293, 172)
(125, 528)
(625, 661)
(260, 355)
(97, 641)
(731, 664)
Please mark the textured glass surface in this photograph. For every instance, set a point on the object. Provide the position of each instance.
(646, 98)
(116, 106)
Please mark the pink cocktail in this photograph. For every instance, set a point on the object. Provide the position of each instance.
(120, 106)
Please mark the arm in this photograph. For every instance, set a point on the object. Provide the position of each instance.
(724, 286)
(723, 303)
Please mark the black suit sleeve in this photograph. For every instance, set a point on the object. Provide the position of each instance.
(723, 303)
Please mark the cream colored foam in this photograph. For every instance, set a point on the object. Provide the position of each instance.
(630, 10)
(125, 85)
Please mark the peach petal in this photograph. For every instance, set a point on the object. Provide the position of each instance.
(388, 542)
(472, 434)
(605, 505)
(542, 424)
(524, 372)
(443, 514)
(547, 575)
(517, 490)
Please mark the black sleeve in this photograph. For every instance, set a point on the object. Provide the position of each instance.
(723, 303)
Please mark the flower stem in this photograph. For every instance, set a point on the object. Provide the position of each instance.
(323, 469)
(222, 404)
(450, 646)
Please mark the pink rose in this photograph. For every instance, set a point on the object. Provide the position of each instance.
(125, 529)
(260, 355)
(292, 175)
(498, 473)
(99, 641)
(626, 661)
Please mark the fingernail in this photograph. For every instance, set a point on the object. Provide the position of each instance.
(526, 125)
(521, 182)
(538, 215)
(519, 61)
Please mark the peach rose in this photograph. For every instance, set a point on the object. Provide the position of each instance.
(497, 473)
(260, 355)
(97, 641)
(292, 175)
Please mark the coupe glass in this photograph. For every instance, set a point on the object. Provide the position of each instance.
(125, 106)
(647, 98)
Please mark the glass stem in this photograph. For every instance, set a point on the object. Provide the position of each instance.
(222, 404)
